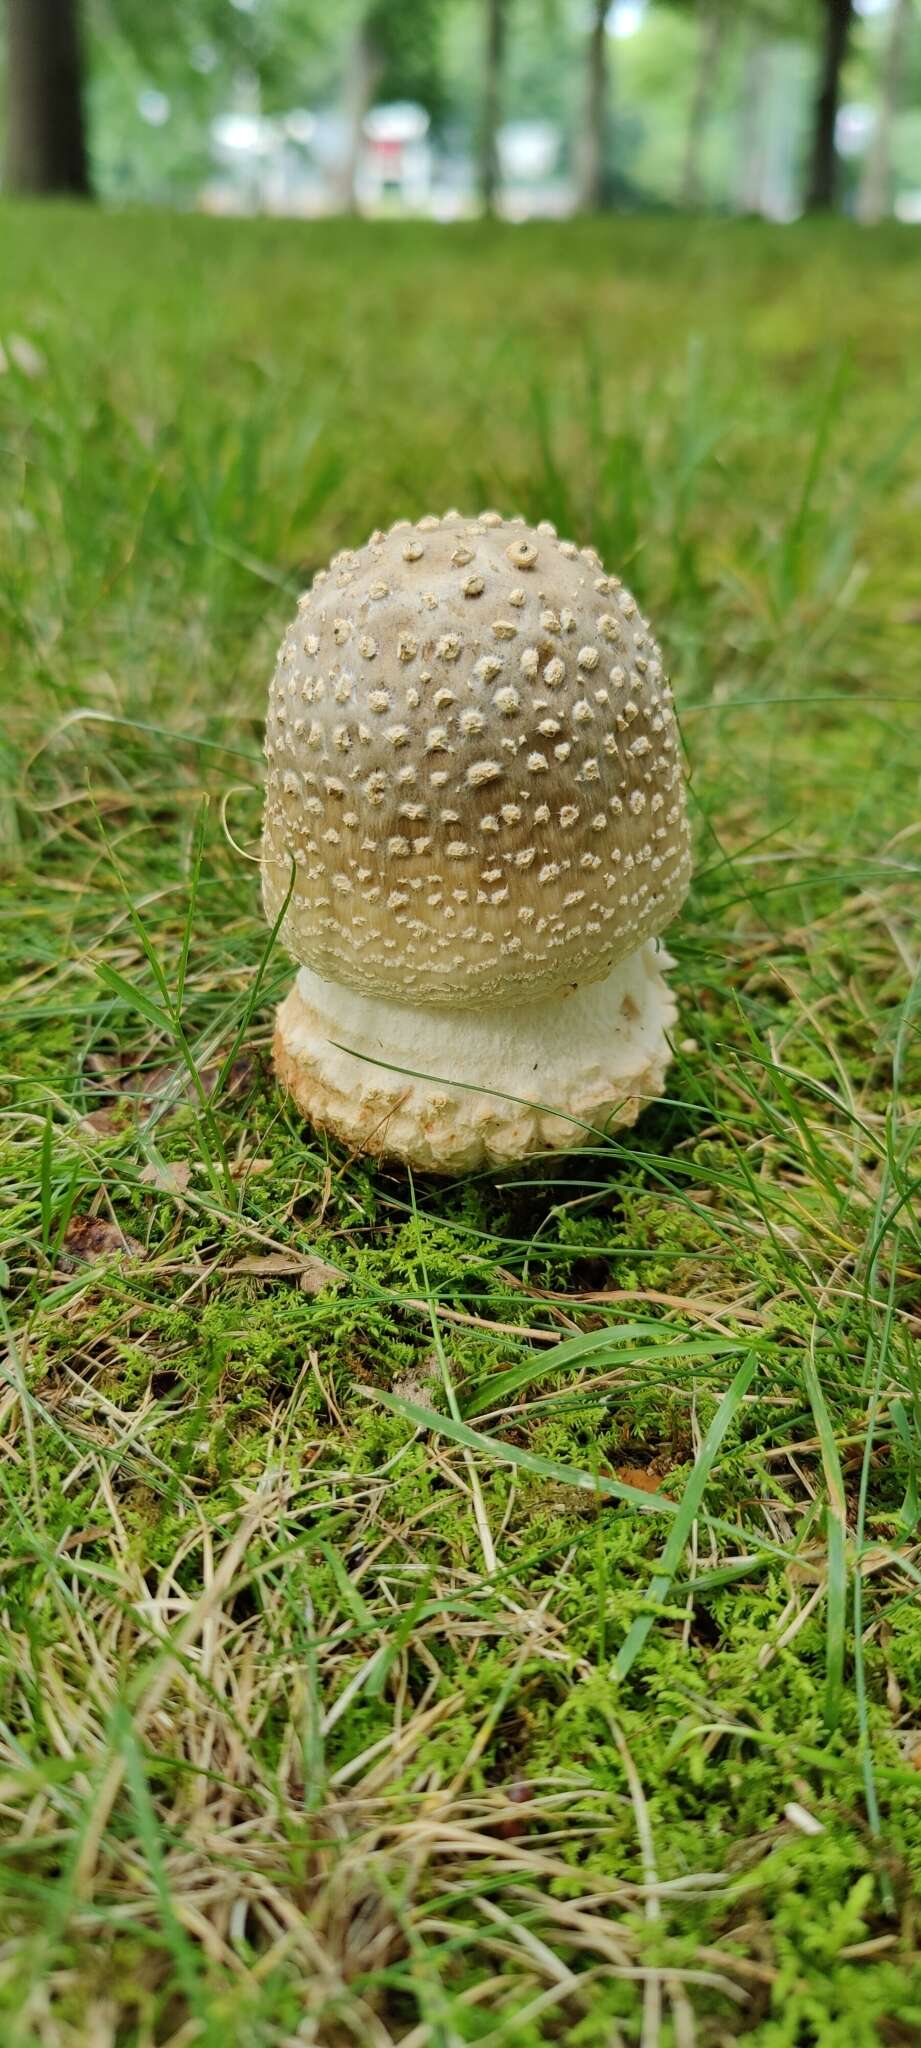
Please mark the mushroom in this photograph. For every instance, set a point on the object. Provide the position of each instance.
(474, 831)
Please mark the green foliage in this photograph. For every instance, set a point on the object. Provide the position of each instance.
(407, 40)
(208, 55)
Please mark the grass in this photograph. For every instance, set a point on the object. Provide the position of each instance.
(483, 1612)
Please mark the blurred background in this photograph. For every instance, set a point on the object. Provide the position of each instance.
(446, 108)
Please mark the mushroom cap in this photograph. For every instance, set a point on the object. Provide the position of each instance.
(474, 791)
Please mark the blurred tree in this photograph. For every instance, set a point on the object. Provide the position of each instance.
(773, 55)
(395, 54)
(409, 38)
(591, 154)
(761, 22)
(754, 97)
(159, 76)
(836, 21)
(491, 109)
(45, 136)
(714, 18)
(273, 42)
(874, 198)
(541, 74)
(365, 65)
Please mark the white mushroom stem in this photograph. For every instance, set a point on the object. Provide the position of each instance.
(505, 1080)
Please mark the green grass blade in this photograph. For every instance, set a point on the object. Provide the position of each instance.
(686, 1513)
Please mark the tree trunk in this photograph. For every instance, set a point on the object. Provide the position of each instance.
(361, 84)
(875, 195)
(592, 152)
(492, 103)
(708, 56)
(45, 138)
(823, 175)
(752, 160)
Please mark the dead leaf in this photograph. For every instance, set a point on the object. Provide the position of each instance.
(88, 1238)
(162, 1078)
(268, 1265)
(313, 1274)
(75, 1541)
(137, 1092)
(170, 1177)
(640, 1477)
(243, 1168)
(317, 1275)
(511, 1825)
(417, 1386)
(104, 1121)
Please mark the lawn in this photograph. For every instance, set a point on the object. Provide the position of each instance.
(480, 1612)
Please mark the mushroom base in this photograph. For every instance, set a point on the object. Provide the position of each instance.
(484, 1087)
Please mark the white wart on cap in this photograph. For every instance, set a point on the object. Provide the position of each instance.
(474, 796)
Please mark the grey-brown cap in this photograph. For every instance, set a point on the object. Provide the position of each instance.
(474, 787)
